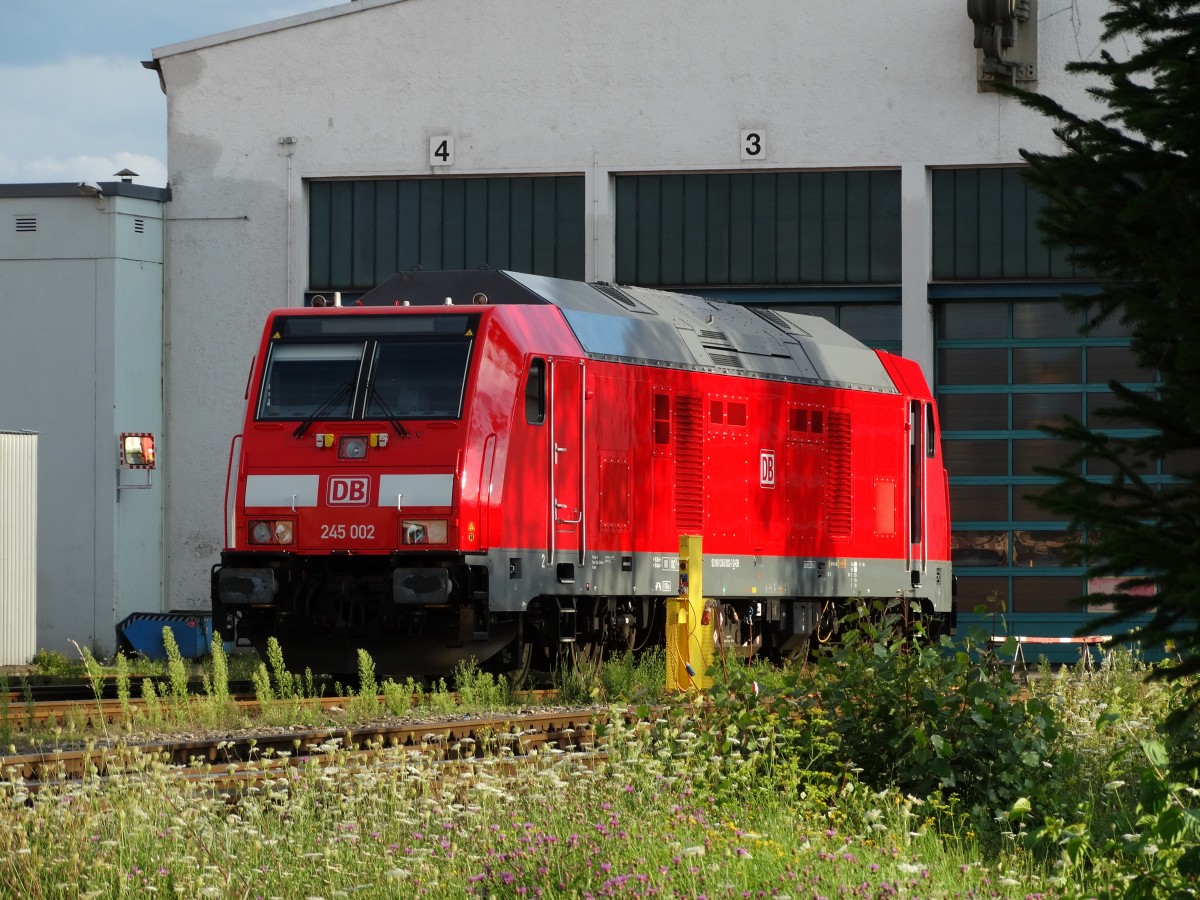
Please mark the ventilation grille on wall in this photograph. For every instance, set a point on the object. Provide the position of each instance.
(26, 224)
(139, 226)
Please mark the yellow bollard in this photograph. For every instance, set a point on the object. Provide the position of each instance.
(689, 637)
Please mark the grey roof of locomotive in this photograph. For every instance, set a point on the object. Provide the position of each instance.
(663, 328)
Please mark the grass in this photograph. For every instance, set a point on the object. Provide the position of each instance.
(761, 792)
(648, 823)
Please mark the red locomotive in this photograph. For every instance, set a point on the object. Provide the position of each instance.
(497, 465)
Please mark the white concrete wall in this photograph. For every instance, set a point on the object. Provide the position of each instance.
(529, 86)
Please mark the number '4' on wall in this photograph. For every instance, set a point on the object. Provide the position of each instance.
(441, 150)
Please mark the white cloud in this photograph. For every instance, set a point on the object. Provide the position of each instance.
(76, 119)
(76, 103)
(150, 170)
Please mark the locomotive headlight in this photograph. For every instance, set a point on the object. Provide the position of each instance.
(272, 531)
(423, 531)
(352, 447)
(260, 532)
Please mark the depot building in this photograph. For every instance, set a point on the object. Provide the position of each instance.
(848, 160)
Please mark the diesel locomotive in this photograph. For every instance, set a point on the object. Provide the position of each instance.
(499, 466)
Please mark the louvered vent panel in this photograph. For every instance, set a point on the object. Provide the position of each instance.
(689, 465)
(616, 293)
(26, 224)
(838, 509)
(728, 360)
(139, 226)
(715, 339)
(773, 317)
(721, 349)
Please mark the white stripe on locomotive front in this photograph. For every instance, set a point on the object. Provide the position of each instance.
(394, 490)
(415, 490)
(282, 490)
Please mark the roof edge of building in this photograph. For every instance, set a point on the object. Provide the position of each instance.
(249, 31)
(85, 189)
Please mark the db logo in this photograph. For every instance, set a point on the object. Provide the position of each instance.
(352, 490)
(766, 468)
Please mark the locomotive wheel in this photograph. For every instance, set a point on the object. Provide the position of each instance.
(586, 654)
(522, 665)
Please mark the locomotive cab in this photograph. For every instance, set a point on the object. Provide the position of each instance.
(348, 527)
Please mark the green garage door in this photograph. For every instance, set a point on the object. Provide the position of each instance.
(758, 229)
(361, 232)
(1011, 359)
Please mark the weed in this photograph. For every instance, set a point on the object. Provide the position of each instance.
(398, 698)
(479, 691)
(154, 712)
(364, 704)
(122, 666)
(438, 698)
(263, 692)
(285, 682)
(218, 707)
(177, 677)
(925, 717)
(578, 682)
(1143, 847)
(634, 678)
(51, 662)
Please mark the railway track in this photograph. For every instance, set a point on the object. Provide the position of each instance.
(227, 761)
(34, 690)
(99, 714)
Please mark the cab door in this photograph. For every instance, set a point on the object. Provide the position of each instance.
(918, 474)
(566, 459)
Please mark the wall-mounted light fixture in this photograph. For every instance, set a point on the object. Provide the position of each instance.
(1006, 36)
(135, 450)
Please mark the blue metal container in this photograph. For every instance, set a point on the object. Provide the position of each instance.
(143, 633)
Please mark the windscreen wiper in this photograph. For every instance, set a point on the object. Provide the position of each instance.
(392, 418)
(335, 398)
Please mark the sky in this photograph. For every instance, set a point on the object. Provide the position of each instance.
(76, 105)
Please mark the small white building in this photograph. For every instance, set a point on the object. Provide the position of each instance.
(848, 158)
(81, 337)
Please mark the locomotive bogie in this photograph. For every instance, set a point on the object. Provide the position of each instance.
(435, 481)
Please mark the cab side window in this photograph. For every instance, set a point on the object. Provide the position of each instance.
(535, 393)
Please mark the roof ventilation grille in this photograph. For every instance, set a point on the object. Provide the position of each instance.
(715, 339)
(727, 360)
(617, 294)
(773, 317)
(26, 224)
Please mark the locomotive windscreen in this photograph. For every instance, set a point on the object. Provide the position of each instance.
(401, 367)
